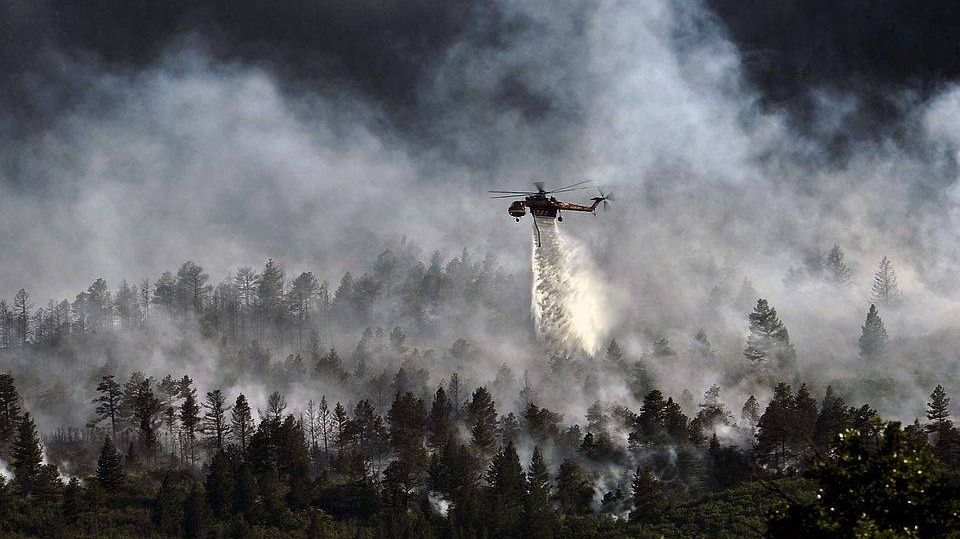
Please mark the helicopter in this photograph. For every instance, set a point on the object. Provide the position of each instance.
(542, 204)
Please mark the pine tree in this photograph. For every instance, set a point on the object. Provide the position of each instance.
(831, 421)
(750, 414)
(194, 513)
(647, 495)
(145, 409)
(885, 290)
(219, 485)
(701, 345)
(768, 344)
(71, 501)
(482, 419)
(804, 420)
(189, 417)
(440, 424)
(48, 487)
(27, 456)
(108, 402)
(649, 426)
(215, 418)
(539, 517)
(613, 354)
(167, 509)
(938, 412)
(574, 492)
(10, 411)
(241, 423)
(21, 313)
(873, 336)
(835, 269)
(109, 466)
(775, 429)
(507, 491)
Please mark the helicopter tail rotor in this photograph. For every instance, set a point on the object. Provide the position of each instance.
(604, 197)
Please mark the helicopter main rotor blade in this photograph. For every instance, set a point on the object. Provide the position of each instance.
(567, 190)
(569, 186)
(506, 196)
(510, 192)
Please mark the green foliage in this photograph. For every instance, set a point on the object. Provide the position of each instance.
(109, 466)
(887, 485)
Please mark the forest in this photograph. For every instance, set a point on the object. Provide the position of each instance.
(272, 405)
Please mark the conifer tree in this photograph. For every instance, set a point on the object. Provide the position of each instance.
(215, 418)
(507, 490)
(219, 485)
(108, 402)
(145, 409)
(71, 501)
(768, 344)
(750, 414)
(245, 492)
(10, 411)
(109, 466)
(189, 418)
(873, 336)
(241, 423)
(613, 354)
(574, 492)
(482, 418)
(648, 427)
(647, 495)
(194, 513)
(167, 509)
(48, 487)
(830, 422)
(701, 345)
(885, 290)
(835, 269)
(440, 425)
(804, 420)
(774, 430)
(539, 517)
(27, 456)
(938, 412)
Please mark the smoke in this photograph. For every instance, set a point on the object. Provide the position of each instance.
(567, 305)
(202, 148)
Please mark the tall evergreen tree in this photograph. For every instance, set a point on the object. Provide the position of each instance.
(938, 412)
(830, 422)
(10, 411)
(27, 456)
(109, 466)
(647, 495)
(440, 424)
(108, 402)
(885, 290)
(482, 419)
(873, 336)
(768, 344)
(835, 269)
(146, 407)
(241, 423)
(507, 491)
(539, 517)
(750, 414)
(574, 492)
(189, 418)
(215, 418)
(775, 429)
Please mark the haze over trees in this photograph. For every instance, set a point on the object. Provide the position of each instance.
(297, 409)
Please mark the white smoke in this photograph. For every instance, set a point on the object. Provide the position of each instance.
(568, 303)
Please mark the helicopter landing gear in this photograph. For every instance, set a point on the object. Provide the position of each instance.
(518, 219)
(560, 218)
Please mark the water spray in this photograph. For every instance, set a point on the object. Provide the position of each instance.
(567, 300)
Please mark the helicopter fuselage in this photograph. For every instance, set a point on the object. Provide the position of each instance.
(544, 206)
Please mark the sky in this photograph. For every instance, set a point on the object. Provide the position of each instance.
(140, 135)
